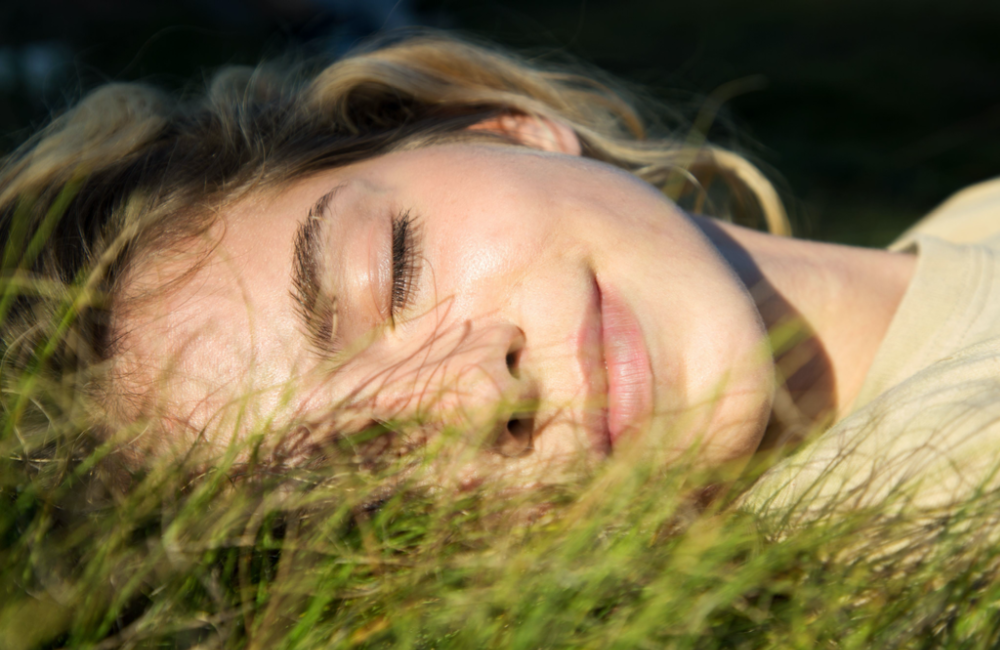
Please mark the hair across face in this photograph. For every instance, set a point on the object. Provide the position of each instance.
(549, 306)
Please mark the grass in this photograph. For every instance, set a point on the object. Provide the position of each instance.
(240, 556)
(225, 554)
(179, 554)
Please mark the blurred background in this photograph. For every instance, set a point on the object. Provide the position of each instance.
(866, 113)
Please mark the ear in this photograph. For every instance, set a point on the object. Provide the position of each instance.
(535, 132)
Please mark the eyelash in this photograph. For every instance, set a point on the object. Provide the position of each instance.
(405, 240)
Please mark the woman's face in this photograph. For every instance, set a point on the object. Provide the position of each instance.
(550, 307)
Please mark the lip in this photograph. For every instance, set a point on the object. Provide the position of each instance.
(618, 371)
(629, 372)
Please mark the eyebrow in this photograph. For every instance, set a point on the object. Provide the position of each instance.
(315, 307)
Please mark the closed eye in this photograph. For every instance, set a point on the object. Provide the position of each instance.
(405, 268)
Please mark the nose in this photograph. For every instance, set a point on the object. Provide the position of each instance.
(472, 381)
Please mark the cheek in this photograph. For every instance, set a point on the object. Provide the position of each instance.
(484, 254)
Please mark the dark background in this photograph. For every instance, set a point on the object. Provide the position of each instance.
(866, 113)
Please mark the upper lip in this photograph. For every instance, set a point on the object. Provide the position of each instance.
(591, 355)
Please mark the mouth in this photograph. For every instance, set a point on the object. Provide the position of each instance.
(618, 369)
(629, 372)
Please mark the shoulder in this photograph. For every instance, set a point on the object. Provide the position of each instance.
(971, 215)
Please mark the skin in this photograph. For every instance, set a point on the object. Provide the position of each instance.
(525, 256)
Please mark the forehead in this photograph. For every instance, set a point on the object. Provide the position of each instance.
(227, 329)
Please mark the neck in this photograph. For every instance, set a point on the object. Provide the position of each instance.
(827, 308)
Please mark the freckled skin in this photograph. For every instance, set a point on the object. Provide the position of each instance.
(511, 242)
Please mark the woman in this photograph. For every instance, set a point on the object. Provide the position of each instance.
(446, 243)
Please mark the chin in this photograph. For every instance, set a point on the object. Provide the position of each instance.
(721, 430)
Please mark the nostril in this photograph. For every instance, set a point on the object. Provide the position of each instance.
(512, 363)
(517, 438)
(513, 358)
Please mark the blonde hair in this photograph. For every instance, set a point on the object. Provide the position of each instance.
(131, 171)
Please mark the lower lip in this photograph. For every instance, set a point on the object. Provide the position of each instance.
(630, 377)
